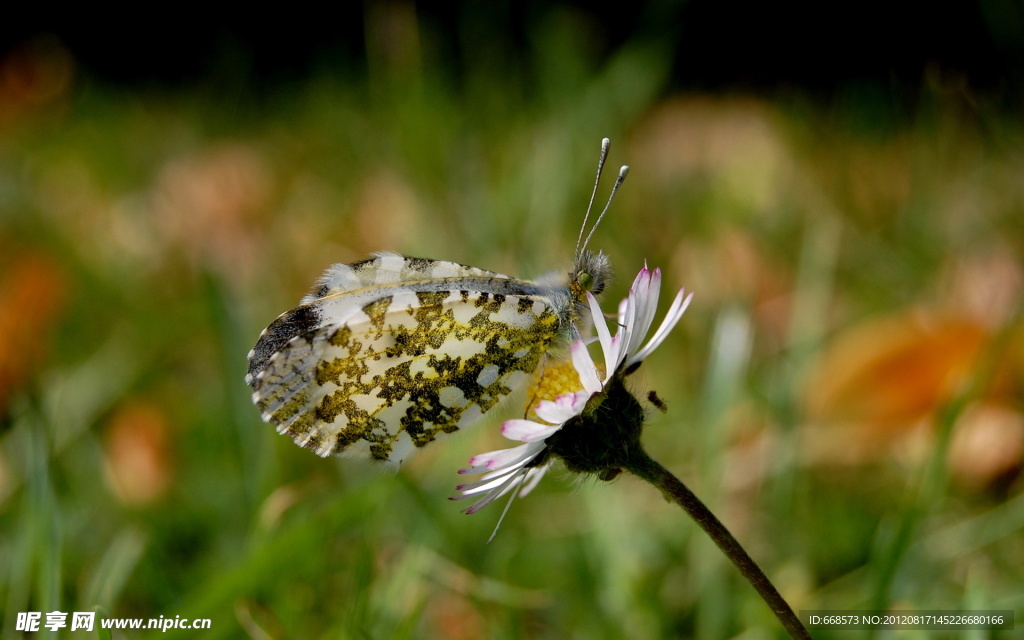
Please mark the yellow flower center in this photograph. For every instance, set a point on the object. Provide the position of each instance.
(554, 379)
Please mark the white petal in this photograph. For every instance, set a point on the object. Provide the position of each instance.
(533, 476)
(528, 430)
(602, 330)
(585, 367)
(628, 327)
(617, 353)
(675, 312)
(511, 483)
(487, 483)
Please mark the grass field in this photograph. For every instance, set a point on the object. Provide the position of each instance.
(845, 391)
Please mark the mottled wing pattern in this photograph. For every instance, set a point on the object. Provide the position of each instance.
(387, 354)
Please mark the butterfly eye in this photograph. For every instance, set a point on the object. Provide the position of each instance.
(586, 281)
(590, 273)
(594, 282)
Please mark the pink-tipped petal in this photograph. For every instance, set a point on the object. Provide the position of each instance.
(641, 283)
(527, 430)
(564, 407)
(492, 460)
(643, 302)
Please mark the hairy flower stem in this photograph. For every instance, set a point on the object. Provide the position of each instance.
(641, 465)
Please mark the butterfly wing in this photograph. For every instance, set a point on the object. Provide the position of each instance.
(388, 354)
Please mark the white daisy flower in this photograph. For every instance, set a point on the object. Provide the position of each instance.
(519, 469)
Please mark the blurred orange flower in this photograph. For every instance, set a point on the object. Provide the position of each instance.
(879, 386)
(32, 289)
(892, 372)
(138, 456)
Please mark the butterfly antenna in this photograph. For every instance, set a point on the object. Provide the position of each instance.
(606, 144)
(623, 171)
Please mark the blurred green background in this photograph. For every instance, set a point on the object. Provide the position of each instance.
(845, 391)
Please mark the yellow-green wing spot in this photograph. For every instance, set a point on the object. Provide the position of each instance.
(403, 370)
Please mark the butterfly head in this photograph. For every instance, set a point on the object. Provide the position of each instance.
(590, 272)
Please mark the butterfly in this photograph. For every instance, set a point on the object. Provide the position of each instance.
(385, 355)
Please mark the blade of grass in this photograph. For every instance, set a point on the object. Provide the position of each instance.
(114, 568)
